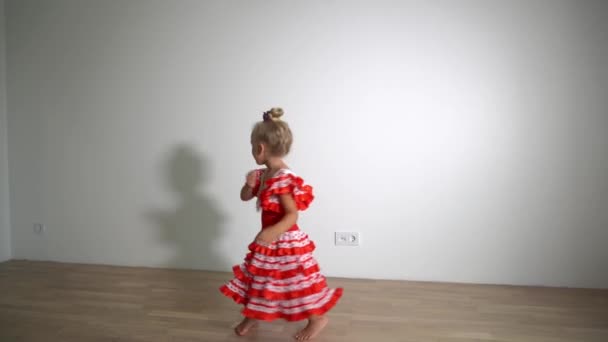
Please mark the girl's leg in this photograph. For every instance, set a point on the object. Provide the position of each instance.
(243, 327)
(314, 327)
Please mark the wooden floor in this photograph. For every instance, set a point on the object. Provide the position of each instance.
(49, 302)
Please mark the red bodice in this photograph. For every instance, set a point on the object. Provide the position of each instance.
(284, 182)
(270, 218)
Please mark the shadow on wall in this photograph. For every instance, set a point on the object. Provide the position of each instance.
(193, 227)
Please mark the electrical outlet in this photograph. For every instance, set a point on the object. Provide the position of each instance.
(347, 239)
(39, 228)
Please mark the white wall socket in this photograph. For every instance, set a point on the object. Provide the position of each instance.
(347, 239)
(39, 228)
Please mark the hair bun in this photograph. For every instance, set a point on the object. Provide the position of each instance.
(276, 113)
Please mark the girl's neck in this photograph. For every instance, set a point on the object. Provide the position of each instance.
(275, 164)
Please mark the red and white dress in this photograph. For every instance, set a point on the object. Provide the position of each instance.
(281, 280)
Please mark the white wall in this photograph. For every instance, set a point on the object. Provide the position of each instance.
(465, 140)
(5, 228)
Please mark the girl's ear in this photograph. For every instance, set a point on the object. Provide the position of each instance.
(260, 149)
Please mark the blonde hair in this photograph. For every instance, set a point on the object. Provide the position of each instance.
(273, 132)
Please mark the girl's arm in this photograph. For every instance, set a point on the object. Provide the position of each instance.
(290, 218)
(250, 185)
(247, 193)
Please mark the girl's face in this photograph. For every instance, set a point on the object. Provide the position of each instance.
(258, 151)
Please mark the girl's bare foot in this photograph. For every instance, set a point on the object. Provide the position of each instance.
(314, 327)
(243, 328)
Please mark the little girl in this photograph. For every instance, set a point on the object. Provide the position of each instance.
(279, 279)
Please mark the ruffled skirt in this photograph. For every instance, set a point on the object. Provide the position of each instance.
(281, 281)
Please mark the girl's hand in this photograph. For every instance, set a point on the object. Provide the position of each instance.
(273, 233)
(252, 179)
(267, 236)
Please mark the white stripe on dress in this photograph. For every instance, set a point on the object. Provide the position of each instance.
(289, 288)
(282, 258)
(281, 288)
(277, 282)
(287, 267)
(293, 306)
